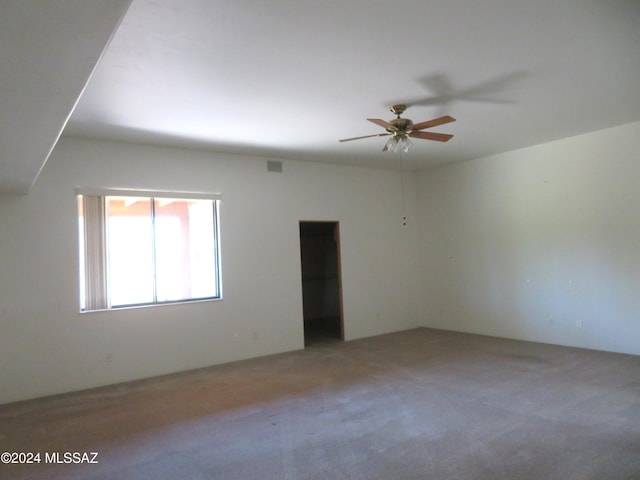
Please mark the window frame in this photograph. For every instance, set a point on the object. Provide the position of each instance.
(95, 274)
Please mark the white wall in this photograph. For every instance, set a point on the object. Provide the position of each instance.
(47, 347)
(541, 243)
(527, 244)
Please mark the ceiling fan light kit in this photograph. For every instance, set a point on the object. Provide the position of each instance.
(401, 129)
(398, 142)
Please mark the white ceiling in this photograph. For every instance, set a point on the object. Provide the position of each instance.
(287, 79)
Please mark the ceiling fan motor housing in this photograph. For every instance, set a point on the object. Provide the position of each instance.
(401, 124)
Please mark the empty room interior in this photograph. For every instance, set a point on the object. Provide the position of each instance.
(308, 240)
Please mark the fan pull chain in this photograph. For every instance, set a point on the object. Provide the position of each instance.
(402, 189)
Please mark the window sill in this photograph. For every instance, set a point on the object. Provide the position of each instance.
(151, 305)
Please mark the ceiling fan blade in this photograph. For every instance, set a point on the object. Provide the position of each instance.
(438, 137)
(382, 124)
(433, 123)
(365, 136)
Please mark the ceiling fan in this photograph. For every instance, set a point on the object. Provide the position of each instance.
(401, 129)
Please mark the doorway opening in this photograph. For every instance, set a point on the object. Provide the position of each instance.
(321, 282)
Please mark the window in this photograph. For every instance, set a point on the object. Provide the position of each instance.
(147, 250)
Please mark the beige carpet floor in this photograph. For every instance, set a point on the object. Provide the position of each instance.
(420, 404)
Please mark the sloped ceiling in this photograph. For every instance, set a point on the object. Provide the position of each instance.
(287, 79)
(47, 53)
